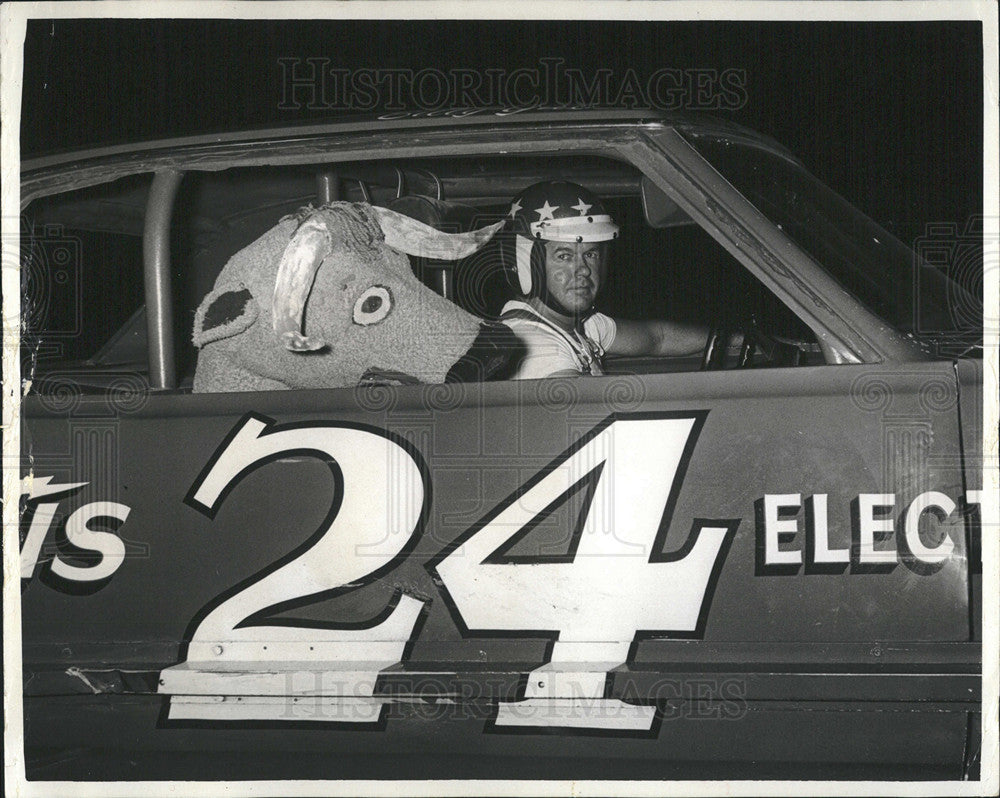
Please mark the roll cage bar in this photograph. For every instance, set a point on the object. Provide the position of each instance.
(156, 274)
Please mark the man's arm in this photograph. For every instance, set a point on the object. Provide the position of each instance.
(655, 337)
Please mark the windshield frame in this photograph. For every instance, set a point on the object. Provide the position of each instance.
(846, 329)
(886, 275)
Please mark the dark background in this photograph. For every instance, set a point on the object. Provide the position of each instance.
(888, 114)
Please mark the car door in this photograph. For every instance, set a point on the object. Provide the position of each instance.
(750, 556)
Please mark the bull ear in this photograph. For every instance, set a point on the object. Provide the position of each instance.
(222, 314)
(407, 235)
(309, 245)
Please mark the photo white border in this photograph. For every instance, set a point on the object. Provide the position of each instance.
(13, 21)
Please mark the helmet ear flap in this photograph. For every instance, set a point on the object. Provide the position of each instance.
(526, 266)
(537, 266)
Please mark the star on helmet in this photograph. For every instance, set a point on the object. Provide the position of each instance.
(546, 211)
(514, 208)
(582, 207)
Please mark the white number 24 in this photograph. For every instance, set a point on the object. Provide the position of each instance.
(610, 584)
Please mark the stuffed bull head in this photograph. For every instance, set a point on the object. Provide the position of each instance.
(327, 298)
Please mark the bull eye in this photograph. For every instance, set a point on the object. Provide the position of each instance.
(373, 305)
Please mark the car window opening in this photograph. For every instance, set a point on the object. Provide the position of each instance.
(663, 265)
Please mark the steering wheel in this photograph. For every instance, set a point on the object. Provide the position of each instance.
(714, 356)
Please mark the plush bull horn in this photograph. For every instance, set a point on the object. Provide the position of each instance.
(307, 249)
(407, 235)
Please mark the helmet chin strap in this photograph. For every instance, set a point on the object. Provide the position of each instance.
(555, 305)
(558, 313)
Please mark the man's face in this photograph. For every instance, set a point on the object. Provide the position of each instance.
(574, 273)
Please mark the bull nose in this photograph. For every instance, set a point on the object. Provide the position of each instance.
(494, 355)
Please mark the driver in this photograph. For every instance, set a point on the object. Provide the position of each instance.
(560, 259)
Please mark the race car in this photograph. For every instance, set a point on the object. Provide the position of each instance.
(754, 562)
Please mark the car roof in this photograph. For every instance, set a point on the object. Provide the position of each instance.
(301, 143)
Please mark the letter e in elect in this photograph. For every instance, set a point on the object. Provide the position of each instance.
(871, 529)
(771, 558)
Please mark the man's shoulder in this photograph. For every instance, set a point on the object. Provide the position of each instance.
(516, 307)
(600, 328)
(598, 318)
(515, 312)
